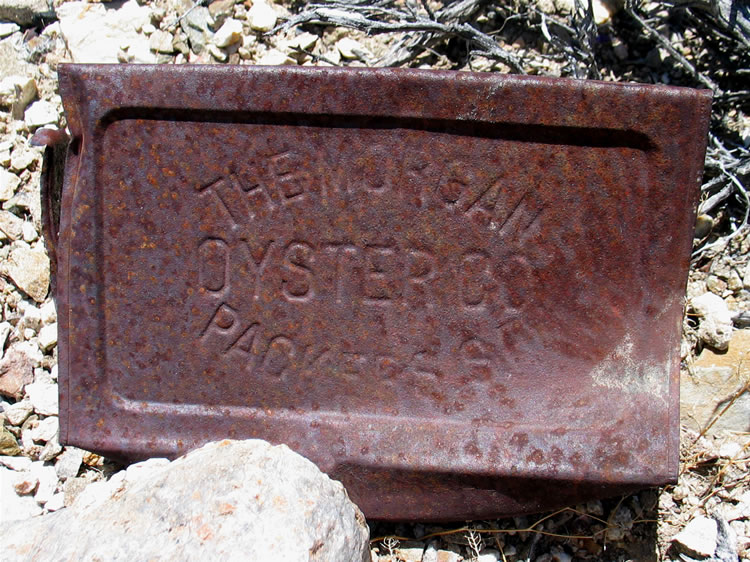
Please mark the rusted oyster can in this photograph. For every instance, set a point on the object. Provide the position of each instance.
(460, 294)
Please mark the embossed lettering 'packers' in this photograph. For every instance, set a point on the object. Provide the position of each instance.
(436, 286)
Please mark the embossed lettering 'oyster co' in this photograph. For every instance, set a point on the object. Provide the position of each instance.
(383, 274)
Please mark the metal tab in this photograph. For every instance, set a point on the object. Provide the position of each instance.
(460, 294)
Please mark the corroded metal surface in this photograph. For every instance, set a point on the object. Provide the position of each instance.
(460, 294)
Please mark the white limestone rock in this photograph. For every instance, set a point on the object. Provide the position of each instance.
(29, 233)
(55, 502)
(229, 33)
(48, 337)
(43, 397)
(46, 429)
(29, 270)
(11, 226)
(16, 463)
(16, 92)
(698, 538)
(261, 16)
(40, 113)
(47, 481)
(715, 320)
(49, 312)
(32, 318)
(274, 57)
(8, 28)
(227, 500)
(22, 158)
(97, 33)
(161, 42)
(18, 412)
(351, 49)
(15, 507)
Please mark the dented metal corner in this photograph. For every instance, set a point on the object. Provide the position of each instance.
(56, 143)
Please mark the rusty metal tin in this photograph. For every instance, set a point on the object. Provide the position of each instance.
(458, 293)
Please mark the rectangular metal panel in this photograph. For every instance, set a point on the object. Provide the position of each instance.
(461, 294)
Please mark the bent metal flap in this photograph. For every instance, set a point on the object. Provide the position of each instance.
(459, 294)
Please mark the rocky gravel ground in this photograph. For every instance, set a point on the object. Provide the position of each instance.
(705, 517)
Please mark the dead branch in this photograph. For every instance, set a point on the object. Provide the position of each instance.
(666, 45)
(731, 15)
(376, 19)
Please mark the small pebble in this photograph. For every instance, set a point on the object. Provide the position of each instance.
(229, 33)
(261, 16)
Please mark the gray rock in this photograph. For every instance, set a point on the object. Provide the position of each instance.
(32, 318)
(351, 49)
(29, 270)
(22, 12)
(43, 397)
(734, 282)
(5, 329)
(715, 320)
(227, 500)
(698, 538)
(16, 371)
(73, 488)
(18, 412)
(46, 429)
(221, 10)
(27, 198)
(161, 42)
(726, 540)
(448, 556)
(10, 224)
(69, 463)
(9, 182)
(430, 553)
(15, 507)
(12, 62)
(22, 158)
(196, 26)
(16, 92)
(51, 449)
(216, 52)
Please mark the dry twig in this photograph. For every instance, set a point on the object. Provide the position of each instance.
(377, 19)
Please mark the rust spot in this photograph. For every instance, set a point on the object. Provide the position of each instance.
(226, 508)
(205, 532)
